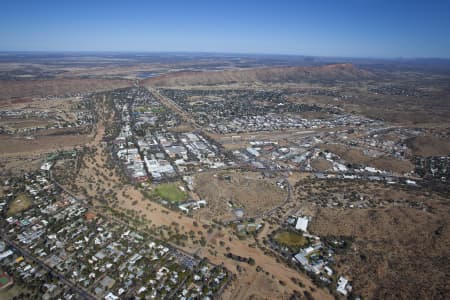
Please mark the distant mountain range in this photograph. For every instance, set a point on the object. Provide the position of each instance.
(333, 72)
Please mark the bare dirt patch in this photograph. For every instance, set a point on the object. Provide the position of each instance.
(228, 190)
(429, 146)
(19, 165)
(321, 164)
(20, 203)
(43, 88)
(19, 146)
(356, 156)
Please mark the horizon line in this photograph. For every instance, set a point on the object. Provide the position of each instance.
(230, 53)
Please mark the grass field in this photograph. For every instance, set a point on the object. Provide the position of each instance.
(170, 192)
(291, 239)
(3, 280)
(21, 203)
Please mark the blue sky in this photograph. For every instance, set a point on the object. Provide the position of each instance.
(360, 28)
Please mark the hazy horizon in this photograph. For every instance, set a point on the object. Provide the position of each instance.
(222, 54)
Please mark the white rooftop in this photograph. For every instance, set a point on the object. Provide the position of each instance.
(302, 224)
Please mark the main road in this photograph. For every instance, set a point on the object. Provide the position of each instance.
(169, 103)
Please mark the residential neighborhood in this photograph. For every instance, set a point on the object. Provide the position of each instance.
(98, 257)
